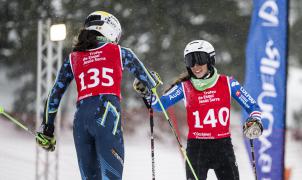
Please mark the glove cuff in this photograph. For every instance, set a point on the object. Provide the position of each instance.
(48, 129)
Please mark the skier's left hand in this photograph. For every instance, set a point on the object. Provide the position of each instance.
(46, 139)
(252, 128)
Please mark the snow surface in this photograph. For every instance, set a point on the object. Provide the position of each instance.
(294, 96)
(17, 156)
(18, 150)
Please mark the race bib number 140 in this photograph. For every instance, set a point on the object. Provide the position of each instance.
(212, 118)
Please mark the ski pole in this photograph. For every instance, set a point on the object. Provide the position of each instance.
(149, 106)
(253, 158)
(9, 117)
(175, 134)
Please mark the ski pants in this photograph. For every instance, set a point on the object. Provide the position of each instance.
(217, 154)
(98, 138)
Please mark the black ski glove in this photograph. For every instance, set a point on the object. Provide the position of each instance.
(46, 139)
(141, 89)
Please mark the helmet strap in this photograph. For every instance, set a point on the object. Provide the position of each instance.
(203, 84)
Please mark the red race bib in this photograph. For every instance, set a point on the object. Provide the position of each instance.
(208, 111)
(97, 71)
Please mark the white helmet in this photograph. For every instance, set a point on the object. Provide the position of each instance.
(105, 23)
(199, 46)
(200, 52)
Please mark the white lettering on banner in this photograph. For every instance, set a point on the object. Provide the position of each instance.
(266, 161)
(268, 68)
(272, 62)
(269, 13)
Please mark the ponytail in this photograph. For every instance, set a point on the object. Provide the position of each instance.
(182, 77)
(87, 39)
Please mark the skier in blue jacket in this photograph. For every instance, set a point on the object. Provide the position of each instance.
(96, 64)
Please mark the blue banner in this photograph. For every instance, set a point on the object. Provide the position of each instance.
(266, 74)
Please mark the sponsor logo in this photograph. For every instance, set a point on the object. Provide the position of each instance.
(268, 68)
(201, 134)
(238, 93)
(269, 64)
(234, 83)
(175, 94)
(247, 95)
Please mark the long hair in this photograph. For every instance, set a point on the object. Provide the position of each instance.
(182, 77)
(86, 40)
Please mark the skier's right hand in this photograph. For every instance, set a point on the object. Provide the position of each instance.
(46, 139)
(252, 128)
(141, 89)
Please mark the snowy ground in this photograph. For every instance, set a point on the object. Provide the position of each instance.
(17, 148)
(17, 156)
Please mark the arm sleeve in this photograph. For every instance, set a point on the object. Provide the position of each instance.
(244, 99)
(137, 68)
(170, 98)
(63, 79)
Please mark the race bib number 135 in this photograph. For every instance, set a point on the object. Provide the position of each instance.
(94, 75)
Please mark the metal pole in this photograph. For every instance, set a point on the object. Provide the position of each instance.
(253, 158)
(49, 62)
(150, 109)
